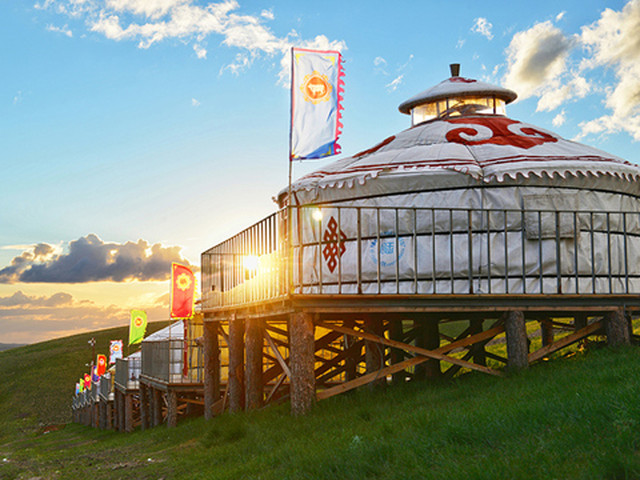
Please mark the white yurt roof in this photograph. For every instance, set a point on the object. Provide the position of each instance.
(175, 331)
(463, 151)
(137, 354)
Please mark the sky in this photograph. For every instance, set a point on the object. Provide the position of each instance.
(136, 133)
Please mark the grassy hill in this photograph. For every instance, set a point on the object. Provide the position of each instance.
(576, 418)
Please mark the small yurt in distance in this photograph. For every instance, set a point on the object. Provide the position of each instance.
(468, 201)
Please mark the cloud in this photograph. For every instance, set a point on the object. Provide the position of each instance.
(613, 42)
(64, 30)
(483, 27)
(195, 103)
(559, 119)
(28, 319)
(148, 22)
(393, 85)
(536, 57)
(17, 98)
(89, 259)
(560, 16)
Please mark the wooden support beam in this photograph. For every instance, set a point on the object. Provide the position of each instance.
(276, 352)
(211, 354)
(370, 377)
(301, 331)
(517, 341)
(565, 341)
(437, 354)
(617, 328)
(254, 345)
(354, 349)
(236, 364)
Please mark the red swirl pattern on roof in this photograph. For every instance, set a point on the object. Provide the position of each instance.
(501, 132)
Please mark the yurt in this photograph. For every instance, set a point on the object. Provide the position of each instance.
(467, 201)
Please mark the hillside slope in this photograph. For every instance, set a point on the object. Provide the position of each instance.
(576, 418)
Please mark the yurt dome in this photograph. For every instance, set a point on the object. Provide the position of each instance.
(462, 152)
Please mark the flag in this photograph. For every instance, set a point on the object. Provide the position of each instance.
(138, 326)
(87, 381)
(115, 351)
(94, 374)
(78, 388)
(316, 103)
(101, 363)
(183, 288)
(81, 384)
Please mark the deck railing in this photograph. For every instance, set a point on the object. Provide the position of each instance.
(127, 372)
(177, 359)
(397, 250)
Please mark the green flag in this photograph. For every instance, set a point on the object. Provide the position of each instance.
(138, 326)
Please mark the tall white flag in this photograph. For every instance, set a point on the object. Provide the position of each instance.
(316, 97)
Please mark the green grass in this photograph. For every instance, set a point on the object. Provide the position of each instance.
(576, 418)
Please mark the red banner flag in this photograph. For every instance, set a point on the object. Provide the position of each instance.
(183, 288)
(87, 381)
(102, 364)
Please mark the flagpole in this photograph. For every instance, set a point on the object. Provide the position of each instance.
(289, 280)
(290, 131)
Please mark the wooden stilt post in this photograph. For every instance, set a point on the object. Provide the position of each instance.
(374, 352)
(128, 412)
(110, 415)
(254, 343)
(302, 345)
(236, 364)
(546, 331)
(428, 337)
(396, 332)
(479, 351)
(120, 407)
(144, 407)
(579, 321)
(156, 398)
(517, 342)
(211, 351)
(172, 408)
(617, 328)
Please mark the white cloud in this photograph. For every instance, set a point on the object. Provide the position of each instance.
(614, 42)
(560, 16)
(64, 30)
(536, 57)
(482, 26)
(460, 43)
(201, 52)
(151, 21)
(17, 97)
(393, 85)
(559, 119)
(379, 61)
(195, 103)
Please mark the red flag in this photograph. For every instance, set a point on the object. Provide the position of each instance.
(102, 364)
(183, 288)
(87, 381)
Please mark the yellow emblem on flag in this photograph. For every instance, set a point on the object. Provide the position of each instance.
(316, 88)
(183, 281)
